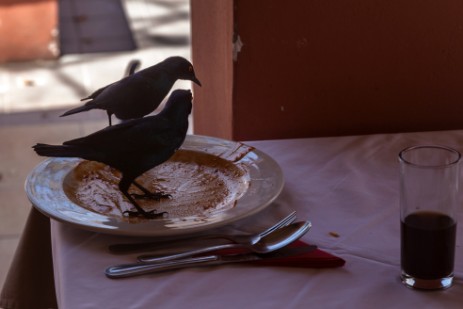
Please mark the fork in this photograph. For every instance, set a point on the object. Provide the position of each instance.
(236, 238)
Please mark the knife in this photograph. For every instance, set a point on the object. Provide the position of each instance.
(136, 269)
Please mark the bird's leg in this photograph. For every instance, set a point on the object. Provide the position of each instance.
(124, 187)
(140, 212)
(109, 117)
(147, 194)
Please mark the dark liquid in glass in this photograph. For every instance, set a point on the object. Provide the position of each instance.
(428, 245)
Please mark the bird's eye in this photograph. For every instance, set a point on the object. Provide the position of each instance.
(190, 68)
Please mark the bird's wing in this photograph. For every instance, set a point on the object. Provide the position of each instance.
(98, 136)
(97, 92)
(132, 80)
(125, 82)
(129, 135)
(132, 88)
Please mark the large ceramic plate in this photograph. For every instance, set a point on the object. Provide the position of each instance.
(263, 177)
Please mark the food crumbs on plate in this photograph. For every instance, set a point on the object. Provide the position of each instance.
(334, 234)
(199, 182)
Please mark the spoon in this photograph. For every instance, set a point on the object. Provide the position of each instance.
(273, 241)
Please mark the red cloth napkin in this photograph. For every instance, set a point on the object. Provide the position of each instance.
(312, 259)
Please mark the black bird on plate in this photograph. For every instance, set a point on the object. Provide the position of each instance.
(140, 93)
(133, 147)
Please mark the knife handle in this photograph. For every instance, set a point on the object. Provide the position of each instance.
(136, 269)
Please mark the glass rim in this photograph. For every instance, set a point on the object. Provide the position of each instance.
(447, 148)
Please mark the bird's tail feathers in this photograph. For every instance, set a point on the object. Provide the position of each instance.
(58, 150)
(83, 108)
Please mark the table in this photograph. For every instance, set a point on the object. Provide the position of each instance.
(347, 186)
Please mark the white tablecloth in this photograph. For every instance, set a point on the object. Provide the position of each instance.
(346, 185)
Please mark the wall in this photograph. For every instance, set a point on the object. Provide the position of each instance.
(319, 68)
(212, 23)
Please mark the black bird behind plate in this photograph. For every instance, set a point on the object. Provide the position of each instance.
(140, 93)
(133, 147)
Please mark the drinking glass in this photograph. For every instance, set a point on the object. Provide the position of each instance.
(429, 177)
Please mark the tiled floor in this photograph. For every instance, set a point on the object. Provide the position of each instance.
(32, 95)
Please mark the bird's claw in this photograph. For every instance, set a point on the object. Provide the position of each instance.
(146, 214)
(151, 196)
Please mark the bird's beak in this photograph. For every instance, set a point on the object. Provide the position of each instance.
(196, 81)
